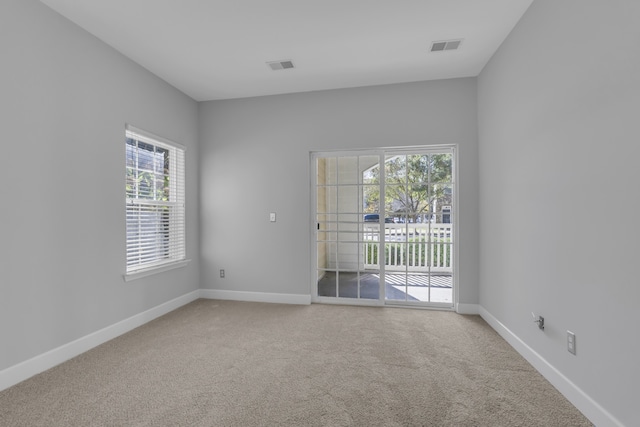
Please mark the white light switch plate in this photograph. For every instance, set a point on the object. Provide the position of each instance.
(272, 217)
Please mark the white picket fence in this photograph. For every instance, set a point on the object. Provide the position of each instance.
(413, 247)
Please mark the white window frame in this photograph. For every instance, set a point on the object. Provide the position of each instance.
(153, 247)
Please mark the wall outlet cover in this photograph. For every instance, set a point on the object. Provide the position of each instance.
(571, 342)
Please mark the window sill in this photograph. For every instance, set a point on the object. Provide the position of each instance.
(155, 270)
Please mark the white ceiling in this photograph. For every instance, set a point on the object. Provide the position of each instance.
(218, 49)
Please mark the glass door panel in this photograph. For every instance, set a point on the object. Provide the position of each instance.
(419, 246)
(346, 242)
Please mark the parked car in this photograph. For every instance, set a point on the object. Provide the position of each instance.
(372, 218)
(376, 218)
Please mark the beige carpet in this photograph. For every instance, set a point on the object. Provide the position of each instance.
(222, 363)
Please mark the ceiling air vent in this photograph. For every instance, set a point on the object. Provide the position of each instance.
(280, 65)
(445, 45)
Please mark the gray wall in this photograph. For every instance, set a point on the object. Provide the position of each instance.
(558, 134)
(255, 160)
(65, 98)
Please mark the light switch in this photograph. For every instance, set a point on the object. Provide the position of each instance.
(272, 217)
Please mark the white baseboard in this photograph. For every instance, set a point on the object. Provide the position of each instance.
(255, 296)
(23, 370)
(467, 308)
(585, 404)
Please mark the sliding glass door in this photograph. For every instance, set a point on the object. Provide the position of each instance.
(384, 227)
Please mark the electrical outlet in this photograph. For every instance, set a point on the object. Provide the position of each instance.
(539, 320)
(222, 274)
(571, 342)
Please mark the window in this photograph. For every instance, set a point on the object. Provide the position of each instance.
(155, 208)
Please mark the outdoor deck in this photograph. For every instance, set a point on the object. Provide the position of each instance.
(419, 287)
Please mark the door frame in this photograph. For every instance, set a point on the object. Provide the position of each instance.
(381, 152)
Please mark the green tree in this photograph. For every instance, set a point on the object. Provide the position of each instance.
(414, 185)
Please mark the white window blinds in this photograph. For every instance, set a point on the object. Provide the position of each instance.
(155, 201)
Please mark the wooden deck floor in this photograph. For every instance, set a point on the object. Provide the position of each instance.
(398, 287)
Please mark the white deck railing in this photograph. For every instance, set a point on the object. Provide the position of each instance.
(413, 247)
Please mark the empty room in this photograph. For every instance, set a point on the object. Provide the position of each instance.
(331, 213)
